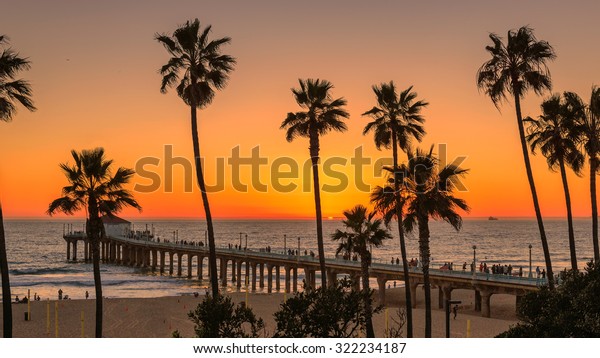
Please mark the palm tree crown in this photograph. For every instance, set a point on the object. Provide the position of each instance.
(591, 123)
(92, 180)
(364, 231)
(430, 192)
(396, 115)
(557, 131)
(424, 190)
(322, 113)
(13, 90)
(197, 68)
(517, 66)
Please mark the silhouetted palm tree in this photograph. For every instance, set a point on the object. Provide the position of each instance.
(362, 231)
(428, 192)
(93, 187)
(556, 134)
(591, 145)
(12, 92)
(396, 122)
(321, 114)
(516, 67)
(197, 69)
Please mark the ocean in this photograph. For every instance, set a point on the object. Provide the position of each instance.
(37, 251)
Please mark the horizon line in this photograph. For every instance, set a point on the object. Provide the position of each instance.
(273, 218)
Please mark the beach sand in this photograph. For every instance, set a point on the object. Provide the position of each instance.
(159, 317)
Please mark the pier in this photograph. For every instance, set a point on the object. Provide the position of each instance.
(260, 268)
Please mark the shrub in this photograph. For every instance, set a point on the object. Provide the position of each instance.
(218, 317)
(571, 310)
(336, 311)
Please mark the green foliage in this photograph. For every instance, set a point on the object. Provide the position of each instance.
(336, 311)
(219, 317)
(571, 310)
(176, 334)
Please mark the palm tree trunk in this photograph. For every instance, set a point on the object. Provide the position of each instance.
(423, 222)
(593, 170)
(212, 253)
(314, 156)
(98, 287)
(536, 203)
(364, 266)
(93, 233)
(6, 296)
(563, 174)
(407, 296)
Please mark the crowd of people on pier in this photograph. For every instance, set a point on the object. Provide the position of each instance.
(494, 269)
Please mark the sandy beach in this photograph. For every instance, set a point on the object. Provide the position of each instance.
(159, 317)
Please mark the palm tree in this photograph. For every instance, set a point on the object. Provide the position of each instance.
(556, 133)
(591, 145)
(12, 91)
(321, 114)
(516, 67)
(396, 122)
(94, 188)
(197, 69)
(427, 193)
(363, 231)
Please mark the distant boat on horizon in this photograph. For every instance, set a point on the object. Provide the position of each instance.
(492, 218)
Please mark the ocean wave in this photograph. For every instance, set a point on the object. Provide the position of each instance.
(90, 283)
(42, 271)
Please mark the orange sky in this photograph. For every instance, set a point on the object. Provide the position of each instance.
(95, 84)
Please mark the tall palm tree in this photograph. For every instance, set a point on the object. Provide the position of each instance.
(396, 122)
(93, 187)
(362, 231)
(197, 69)
(428, 192)
(591, 145)
(556, 134)
(517, 66)
(321, 114)
(12, 92)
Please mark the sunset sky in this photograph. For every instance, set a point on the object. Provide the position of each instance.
(95, 83)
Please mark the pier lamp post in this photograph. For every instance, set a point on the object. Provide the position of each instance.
(241, 240)
(530, 274)
(474, 261)
(246, 247)
(284, 244)
(298, 254)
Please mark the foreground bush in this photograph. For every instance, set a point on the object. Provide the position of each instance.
(337, 311)
(219, 317)
(571, 310)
